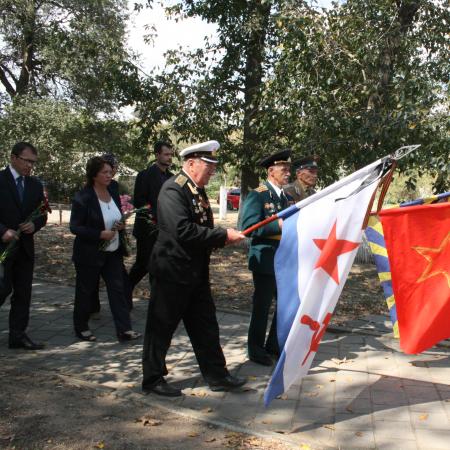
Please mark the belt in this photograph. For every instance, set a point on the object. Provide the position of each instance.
(275, 237)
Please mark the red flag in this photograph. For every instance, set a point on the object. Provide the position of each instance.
(418, 245)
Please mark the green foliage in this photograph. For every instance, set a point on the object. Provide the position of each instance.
(357, 81)
(351, 83)
(65, 139)
(71, 49)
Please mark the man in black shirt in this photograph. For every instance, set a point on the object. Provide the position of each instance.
(146, 191)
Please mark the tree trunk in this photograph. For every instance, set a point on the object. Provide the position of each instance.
(27, 69)
(255, 49)
(406, 10)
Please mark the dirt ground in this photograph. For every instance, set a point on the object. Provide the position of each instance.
(46, 411)
(231, 281)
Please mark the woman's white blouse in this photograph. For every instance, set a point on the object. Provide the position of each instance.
(111, 215)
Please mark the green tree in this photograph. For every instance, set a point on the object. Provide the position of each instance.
(214, 92)
(349, 83)
(65, 138)
(358, 80)
(71, 49)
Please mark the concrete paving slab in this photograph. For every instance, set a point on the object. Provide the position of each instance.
(360, 393)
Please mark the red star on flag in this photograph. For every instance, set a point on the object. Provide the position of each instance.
(331, 248)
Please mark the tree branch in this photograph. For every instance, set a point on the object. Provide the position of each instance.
(8, 86)
(5, 69)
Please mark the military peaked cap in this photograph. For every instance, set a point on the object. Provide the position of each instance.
(283, 157)
(306, 162)
(205, 150)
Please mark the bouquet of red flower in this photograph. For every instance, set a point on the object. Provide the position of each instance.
(42, 210)
(127, 210)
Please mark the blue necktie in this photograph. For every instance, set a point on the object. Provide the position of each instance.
(19, 181)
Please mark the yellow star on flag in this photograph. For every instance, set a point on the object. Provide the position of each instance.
(438, 260)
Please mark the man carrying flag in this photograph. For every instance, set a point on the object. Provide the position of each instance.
(312, 266)
(263, 202)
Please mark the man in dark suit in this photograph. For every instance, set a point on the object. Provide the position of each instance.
(179, 266)
(20, 195)
(146, 190)
(265, 201)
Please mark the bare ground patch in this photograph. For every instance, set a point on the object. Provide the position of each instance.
(230, 279)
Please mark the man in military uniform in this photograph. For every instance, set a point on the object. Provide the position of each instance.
(179, 266)
(263, 202)
(306, 178)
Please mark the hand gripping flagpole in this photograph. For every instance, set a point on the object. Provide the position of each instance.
(378, 168)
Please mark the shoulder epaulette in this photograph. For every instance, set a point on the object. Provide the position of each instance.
(262, 188)
(180, 180)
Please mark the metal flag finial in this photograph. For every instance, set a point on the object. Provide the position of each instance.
(403, 151)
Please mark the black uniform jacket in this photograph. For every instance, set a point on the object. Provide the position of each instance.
(86, 223)
(186, 233)
(13, 212)
(146, 190)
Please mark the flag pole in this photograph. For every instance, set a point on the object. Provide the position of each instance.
(382, 164)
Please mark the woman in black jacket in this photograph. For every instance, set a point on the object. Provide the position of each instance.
(98, 250)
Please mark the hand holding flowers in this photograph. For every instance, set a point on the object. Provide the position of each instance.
(127, 210)
(12, 236)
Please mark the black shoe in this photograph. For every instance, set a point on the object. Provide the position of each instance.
(24, 342)
(161, 387)
(129, 335)
(227, 383)
(264, 359)
(86, 336)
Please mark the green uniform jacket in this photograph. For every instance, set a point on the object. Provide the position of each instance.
(261, 203)
(297, 191)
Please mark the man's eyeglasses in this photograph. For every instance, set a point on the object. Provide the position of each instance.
(32, 162)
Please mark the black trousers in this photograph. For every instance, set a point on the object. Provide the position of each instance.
(86, 285)
(95, 301)
(169, 304)
(265, 291)
(18, 278)
(144, 247)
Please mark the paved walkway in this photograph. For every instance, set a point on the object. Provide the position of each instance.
(362, 392)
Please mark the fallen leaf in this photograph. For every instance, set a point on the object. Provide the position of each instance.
(329, 426)
(332, 380)
(212, 439)
(193, 434)
(101, 444)
(423, 417)
(207, 410)
(349, 409)
(266, 421)
(305, 447)
(319, 386)
(359, 433)
(312, 394)
(148, 421)
(252, 378)
(199, 394)
(339, 361)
